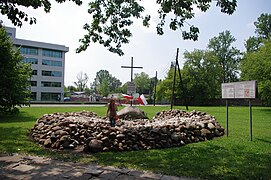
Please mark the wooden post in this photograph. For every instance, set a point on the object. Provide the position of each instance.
(155, 84)
(174, 81)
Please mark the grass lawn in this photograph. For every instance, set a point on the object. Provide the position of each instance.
(233, 157)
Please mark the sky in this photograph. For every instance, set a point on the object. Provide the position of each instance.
(64, 26)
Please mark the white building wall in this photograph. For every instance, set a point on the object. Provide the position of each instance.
(39, 89)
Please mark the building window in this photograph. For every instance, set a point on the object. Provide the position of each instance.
(30, 60)
(46, 96)
(33, 96)
(28, 50)
(51, 53)
(33, 83)
(52, 73)
(51, 63)
(50, 84)
(34, 72)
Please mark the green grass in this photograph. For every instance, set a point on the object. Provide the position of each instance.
(232, 157)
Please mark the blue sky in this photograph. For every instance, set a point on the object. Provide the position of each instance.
(63, 25)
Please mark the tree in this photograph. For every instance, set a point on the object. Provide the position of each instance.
(202, 76)
(15, 75)
(103, 88)
(122, 89)
(13, 9)
(253, 43)
(111, 19)
(114, 83)
(257, 66)
(263, 26)
(82, 80)
(164, 88)
(102, 75)
(263, 31)
(228, 56)
(142, 82)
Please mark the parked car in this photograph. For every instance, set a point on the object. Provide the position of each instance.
(67, 99)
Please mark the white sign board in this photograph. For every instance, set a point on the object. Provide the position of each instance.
(131, 88)
(239, 90)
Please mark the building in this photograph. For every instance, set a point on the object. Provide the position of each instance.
(48, 65)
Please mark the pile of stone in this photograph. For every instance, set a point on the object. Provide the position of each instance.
(85, 129)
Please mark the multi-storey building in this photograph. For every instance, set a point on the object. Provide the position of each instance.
(47, 64)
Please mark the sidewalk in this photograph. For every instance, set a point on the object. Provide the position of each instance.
(18, 166)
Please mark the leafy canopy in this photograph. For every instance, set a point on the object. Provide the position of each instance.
(14, 77)
(13, 9)
(263, 31)
(111, 19)
(227, 54)
(257, 66)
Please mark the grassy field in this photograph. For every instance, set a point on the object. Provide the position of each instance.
(232, 157)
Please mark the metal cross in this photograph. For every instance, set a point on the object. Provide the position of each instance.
(131, 67)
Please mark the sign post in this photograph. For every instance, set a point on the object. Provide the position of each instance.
(239, 90)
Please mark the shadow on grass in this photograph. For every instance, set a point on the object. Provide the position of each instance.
(264, 140)
(266, 111)
(20, 117)
(210, 162)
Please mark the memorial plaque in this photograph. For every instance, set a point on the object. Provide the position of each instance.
(239, 90)
(131, 88)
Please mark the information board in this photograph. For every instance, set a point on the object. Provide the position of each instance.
(131, 88)
(239, 90)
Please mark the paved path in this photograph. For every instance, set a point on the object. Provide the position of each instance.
(18, 166)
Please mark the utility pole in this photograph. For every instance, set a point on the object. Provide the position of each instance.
(155, 84)
(174, 81)
(131, 67)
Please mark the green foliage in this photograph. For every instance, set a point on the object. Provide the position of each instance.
(203, 72)
(257, 66)
(111, 20)
(143, 83)
(228, 56)
(263, 26)
(164, 87)
(122, 89)
(263, 31)
(253, 43)
(112, 82)
(103, 88)
(15, 75)
(13, 9)
(202, 76)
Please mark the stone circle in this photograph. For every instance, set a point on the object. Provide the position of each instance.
(92, 133)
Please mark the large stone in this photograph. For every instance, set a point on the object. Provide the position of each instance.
(95, 145)
(131, 113)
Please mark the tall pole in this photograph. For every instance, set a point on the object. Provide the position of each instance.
(132, 65)
(174, 79)
(182, 86)
(155, 84)
(250, 119)
(227, 118)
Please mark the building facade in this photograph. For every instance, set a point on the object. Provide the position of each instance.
(47, 64)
